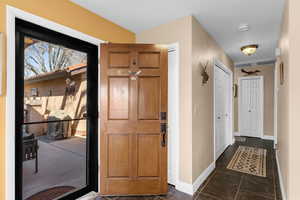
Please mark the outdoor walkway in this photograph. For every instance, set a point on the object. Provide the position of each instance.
(61, 163)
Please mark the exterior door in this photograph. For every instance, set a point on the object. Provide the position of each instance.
(133, 119)
(251, 106)
(222, 99)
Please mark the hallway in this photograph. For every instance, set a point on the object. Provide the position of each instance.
(224, 184)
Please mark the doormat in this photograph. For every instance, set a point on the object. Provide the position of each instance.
(52, 193)
(240, 139)
(249, 160)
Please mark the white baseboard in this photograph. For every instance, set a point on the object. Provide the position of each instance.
(192, 188)
(236, 134)
(268, 137)
(89, 196)
(203, 176)
(184, 187)
(280, 179)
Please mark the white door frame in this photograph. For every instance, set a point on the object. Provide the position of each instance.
(261, 120)
(229, 136)
(11, 14)
(175, 103)
(275, 102)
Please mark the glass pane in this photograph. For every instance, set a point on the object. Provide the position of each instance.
(54, 129)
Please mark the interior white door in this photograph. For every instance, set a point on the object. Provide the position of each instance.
(251, 106)
(222, 98)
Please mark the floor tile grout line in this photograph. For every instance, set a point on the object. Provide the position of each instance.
(274, 178)
(238, 190)
(209, 195)
(208, 180)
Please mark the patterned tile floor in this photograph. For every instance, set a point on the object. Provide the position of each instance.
(224, 184)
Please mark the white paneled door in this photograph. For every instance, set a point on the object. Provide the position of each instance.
(222, 106)
(251, 106)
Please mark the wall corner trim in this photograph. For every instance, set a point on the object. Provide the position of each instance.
(280, 178)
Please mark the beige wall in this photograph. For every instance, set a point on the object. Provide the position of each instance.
(268, 73)
(293, 73)
(173, 32)
(66, 13)
(283, 133)
(196, 122)
(204, 48)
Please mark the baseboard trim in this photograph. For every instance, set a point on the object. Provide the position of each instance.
(268, 137)
(184, 187)
(203, 176)
(236, 134)
(280, 179)
(192, 188)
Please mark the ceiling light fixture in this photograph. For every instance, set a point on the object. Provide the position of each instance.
(249, 50)
(243, 27)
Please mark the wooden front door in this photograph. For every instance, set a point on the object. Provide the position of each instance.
(133, 119)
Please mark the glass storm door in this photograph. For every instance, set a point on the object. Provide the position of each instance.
(56, 114)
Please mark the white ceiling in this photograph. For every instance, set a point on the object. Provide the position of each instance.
(221, 18)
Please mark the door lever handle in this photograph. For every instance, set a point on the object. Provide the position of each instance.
(163, 130)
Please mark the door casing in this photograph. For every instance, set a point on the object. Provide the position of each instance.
(261, 124)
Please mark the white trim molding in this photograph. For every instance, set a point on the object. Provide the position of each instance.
(185, 187)
(237, 134)
(268, 137)
(282, 188)
(175, 127)
(11, 14)
(203, 176)
(192, 188)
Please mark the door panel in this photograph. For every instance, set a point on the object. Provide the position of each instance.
(149, 59)
(119, 59)
(149, 98)
(118, 98)
(133, 159)
(118, 155)
(148, 155)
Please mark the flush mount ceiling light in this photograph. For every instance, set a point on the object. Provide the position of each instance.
(249, 50)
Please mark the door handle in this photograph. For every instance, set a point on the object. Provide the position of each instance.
(163, 130)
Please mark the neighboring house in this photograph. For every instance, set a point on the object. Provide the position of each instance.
(49, 92)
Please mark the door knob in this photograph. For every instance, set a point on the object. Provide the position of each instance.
(218, 117)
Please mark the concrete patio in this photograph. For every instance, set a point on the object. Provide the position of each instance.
(61, 163)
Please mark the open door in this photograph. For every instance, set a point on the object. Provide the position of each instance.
(133, 119)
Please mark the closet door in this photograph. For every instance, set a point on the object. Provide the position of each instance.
(251, 106)
(221, 110)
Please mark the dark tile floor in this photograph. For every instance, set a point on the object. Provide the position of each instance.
(173, 194)
(224, 184)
